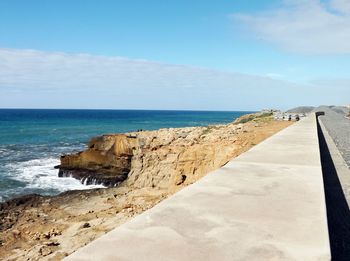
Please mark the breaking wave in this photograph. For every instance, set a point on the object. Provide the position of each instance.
(40, 176)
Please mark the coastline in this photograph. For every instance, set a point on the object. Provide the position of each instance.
(32, 141)
(51, 227)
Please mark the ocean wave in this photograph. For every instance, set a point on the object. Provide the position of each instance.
(40, 175)
(21, 153)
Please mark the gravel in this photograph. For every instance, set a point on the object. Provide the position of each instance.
(338, 127)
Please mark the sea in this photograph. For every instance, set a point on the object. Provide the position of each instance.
(32, 141)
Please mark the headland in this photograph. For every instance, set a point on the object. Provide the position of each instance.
(143, 167)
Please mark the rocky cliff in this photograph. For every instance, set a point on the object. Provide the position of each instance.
(162, 158)
(107, 161)
(153, 165)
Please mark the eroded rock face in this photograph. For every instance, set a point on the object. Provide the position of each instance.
(107, 161)
(162, 158)
(165, 158)
(172, 157)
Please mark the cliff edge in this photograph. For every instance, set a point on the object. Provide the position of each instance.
(141, 168)
(162, 158)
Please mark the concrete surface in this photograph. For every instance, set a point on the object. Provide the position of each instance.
(266, 204)
(336, 176)
(338, 128)
(341, 167)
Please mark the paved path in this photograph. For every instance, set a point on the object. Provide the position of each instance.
(266, 204)
(338, 128)
(337, 183)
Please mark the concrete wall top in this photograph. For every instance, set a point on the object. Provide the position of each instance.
(266, 204)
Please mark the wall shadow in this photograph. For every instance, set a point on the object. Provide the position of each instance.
(338, 213)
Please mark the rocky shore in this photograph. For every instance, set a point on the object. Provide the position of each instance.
(141, 169)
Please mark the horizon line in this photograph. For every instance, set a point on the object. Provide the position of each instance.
(105, 109)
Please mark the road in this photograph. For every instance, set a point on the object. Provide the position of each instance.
(338, 127)
(334, 139)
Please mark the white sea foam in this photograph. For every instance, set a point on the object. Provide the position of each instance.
(40, 174)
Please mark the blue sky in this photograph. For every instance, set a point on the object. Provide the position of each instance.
(215, 55)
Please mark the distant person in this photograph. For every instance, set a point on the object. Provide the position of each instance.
(289, 117)
(297, 118)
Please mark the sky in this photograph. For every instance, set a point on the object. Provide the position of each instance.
(188, 55)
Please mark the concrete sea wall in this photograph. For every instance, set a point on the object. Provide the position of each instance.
(266, 204)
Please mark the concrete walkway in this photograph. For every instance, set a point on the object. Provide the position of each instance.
(266, 204)
(336, 176)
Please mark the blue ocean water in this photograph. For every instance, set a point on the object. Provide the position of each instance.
(32, 140)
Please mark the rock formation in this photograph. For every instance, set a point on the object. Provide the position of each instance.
(107, 161)
(162, 158)
(156, 164)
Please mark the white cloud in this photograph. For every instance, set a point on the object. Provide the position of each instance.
(305, 26)
(37, 79)
(342, 6)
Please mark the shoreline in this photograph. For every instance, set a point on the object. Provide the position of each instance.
(51, 227)
(32, 140)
